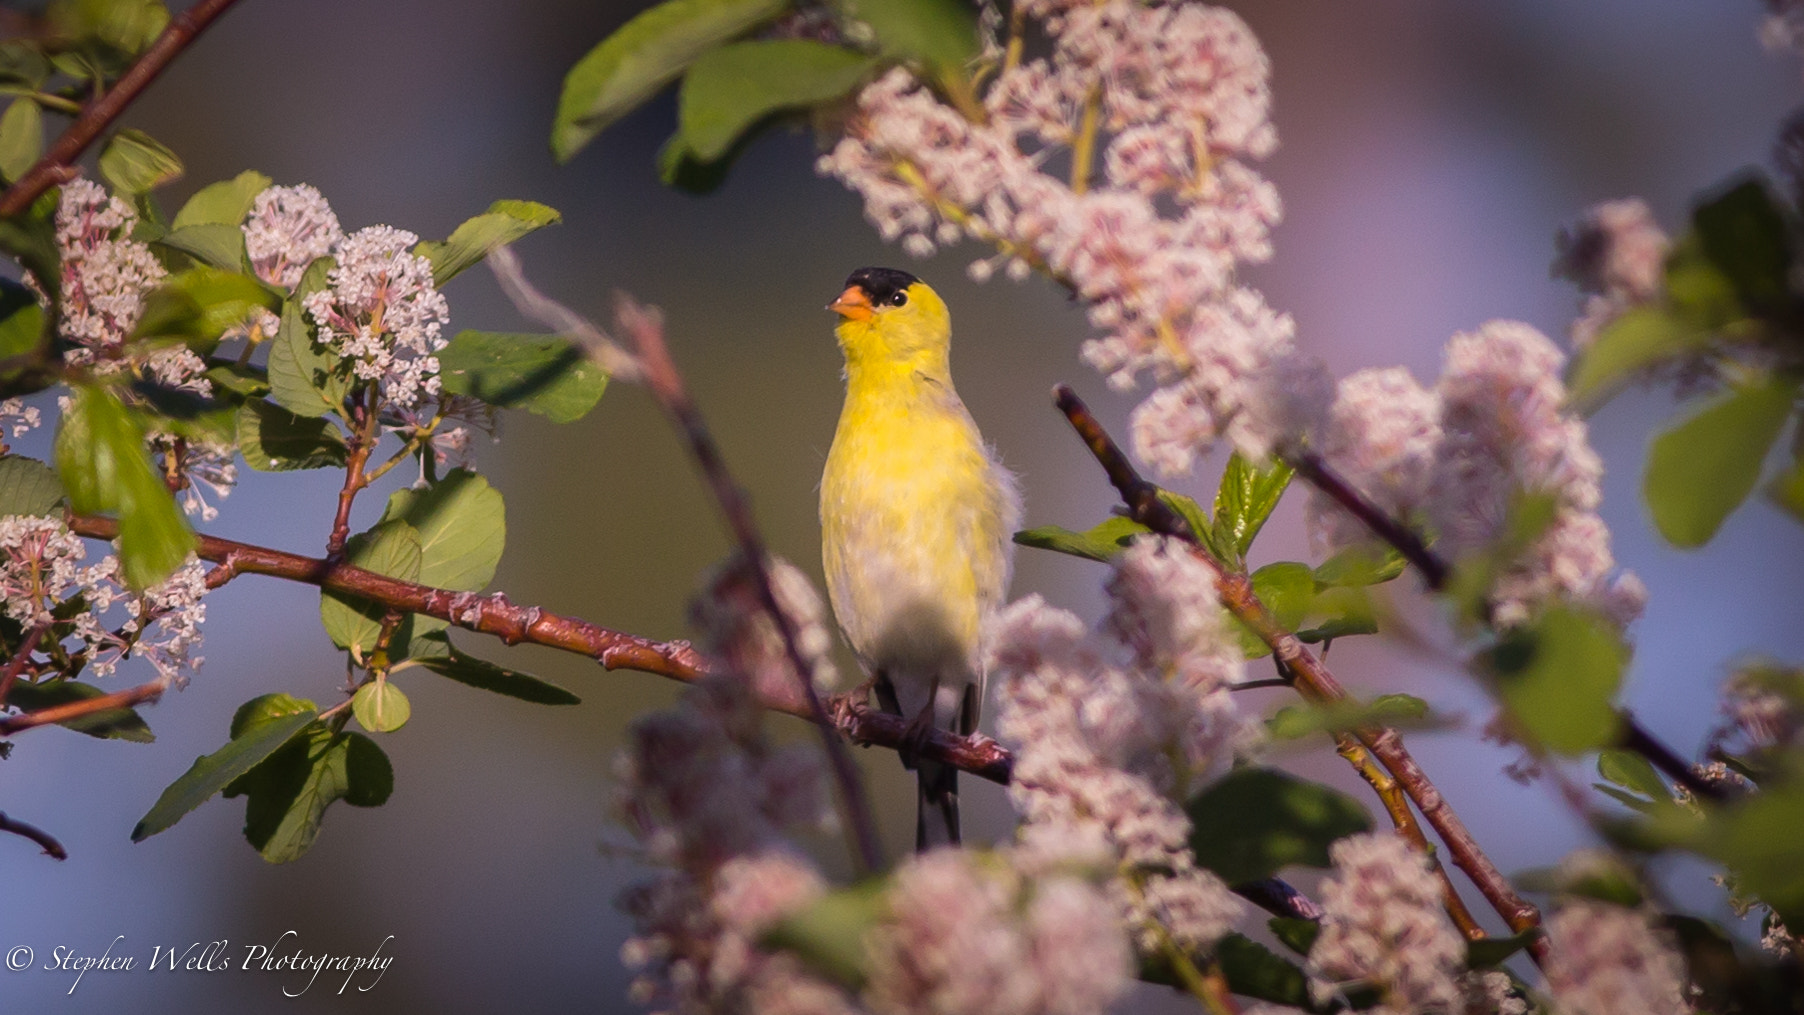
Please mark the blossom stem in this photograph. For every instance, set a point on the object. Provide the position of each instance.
(1314, 681)
(87, 706)
(362, 443)
(1083, 150)
(44, 839)
(56, 166)
(1435, 574)
(20, 659)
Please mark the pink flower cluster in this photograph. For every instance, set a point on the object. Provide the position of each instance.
(1383, 926)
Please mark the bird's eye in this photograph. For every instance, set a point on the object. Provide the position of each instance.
(899, 299)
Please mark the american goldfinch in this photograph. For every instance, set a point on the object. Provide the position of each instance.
(916, 520)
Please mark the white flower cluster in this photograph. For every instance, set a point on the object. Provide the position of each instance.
(287, 229)
(382, 313)
(1455, 459)
(744, 635)
(1174, 98)
(1383, 926)
(1613, 960)
(1106, 752)
(1617, 257)
(40, 571)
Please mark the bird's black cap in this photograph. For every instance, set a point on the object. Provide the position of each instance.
(880, 284)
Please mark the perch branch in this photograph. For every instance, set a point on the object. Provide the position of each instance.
(87, 706)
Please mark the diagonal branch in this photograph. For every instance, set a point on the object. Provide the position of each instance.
(44, 839)
(87, 706)
(1313, 679)
(55, 167)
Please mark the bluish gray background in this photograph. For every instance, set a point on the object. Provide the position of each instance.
(1430, 151)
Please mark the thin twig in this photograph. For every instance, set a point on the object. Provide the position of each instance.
(44, 839)
(362, 443)
(1314, 680)
(660, 374)
(20, 660)
(87, 706)
(1435, 573)
(55, 168)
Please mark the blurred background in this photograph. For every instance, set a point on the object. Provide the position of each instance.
(1430, 151)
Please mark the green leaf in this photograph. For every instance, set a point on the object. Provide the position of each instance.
(135, 163)
(22, 63)
(461, 524)
(1360, 566)
(1633, 772)
(303, 378)
(1245, 499)
(272, 439)
(503, 223)
(109, 724)
(1342, 613)
(1398, 711)
(1744, 233)
(1254, 821)
(828, 935)
(266, 708)
(1490, 952)
(380, 707)
(1787, 489)
(544, 374)
(21, 137)
(1101, 542)
(1702, 469)
(642, 57)
(198, 305)
(21, 321)
(1558, 676)
(31, 237)
(113, 31)
(728, 90)
(210, 773)
(211, 243)
(225, 203)
(1253, 970)
(100, 457)
(392, 548)
(1699, 291)
(291, 789)
(1198, 519)
(1640, 338)
(1294, 933)
(679, 168)
(1287, 588)
(29, 487)
(239, 379)
(942, 33)
(435, 652)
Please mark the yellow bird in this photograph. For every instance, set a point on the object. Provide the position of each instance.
(916, 520)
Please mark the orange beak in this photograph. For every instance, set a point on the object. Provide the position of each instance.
(853, 304)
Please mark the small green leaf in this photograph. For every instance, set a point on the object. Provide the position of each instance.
(1640, 338)
(1102, 542)
(1698, 291)
(729, 89)
(1198, 519)
(1702, 469)
(31, 238)
(1398, 711)
(1360, 566)
(1254, 821)
(1490, 952)
(1633, 772)
(288, 793)
(21, 137)
(272, 439)
(503, 223)
(22, 63)
(642, 57)
(391, 548)
(210, 243)
(212, 772)
(1246, 498)
(109, 724)
(1745, 234)
(942, 33)
(29, 487)
(1294, 933)
(828, 935)
(1558, 676)
(545, 374)
(303, 378)
(135, 163)
(225, 203)
(239, 379)
(461, 523)
(679, 169)
(100, 457)
(198, 305)
(21, 321)
(1253, 970)
(380, 707)
(435, 652)
(1287, 588)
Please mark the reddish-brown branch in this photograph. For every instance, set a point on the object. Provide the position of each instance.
(659, 373)
(1435, 573)
(19, 661)
(44, 839)
(493, 615)
(1313, 678)
(87, 706)
(362, 443)
(55, 168)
